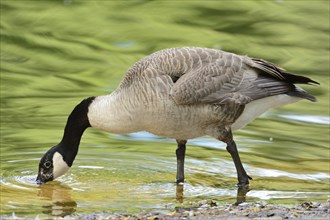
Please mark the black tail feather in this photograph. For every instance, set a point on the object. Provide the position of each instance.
(281, 74)
(292, 78)
(298, 92)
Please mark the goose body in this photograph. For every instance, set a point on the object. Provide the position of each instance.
(183, 93)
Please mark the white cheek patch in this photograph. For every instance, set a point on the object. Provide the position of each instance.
(60, 167)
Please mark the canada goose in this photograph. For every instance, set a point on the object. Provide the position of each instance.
(181, 93)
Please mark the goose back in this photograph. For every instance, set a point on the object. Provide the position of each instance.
(210, 76)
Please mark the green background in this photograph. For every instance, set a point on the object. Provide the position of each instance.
(55, 53)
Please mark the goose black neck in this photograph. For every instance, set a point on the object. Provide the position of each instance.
(76, 124)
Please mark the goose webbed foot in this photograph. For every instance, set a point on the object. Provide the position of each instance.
(180, 155)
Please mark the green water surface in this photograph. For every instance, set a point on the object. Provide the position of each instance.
(55, 53)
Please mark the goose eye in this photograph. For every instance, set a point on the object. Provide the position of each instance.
(47, 164)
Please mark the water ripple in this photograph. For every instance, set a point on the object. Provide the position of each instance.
(316, 119)
(277, 173)
(26, 182)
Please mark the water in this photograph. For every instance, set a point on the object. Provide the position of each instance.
(55, 53)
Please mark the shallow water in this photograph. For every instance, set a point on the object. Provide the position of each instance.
(55, 53)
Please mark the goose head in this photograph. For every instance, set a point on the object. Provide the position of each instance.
(52, 165)
(58, 159)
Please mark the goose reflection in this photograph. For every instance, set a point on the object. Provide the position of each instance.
(179, 193)
(60, 196)
(240, 196)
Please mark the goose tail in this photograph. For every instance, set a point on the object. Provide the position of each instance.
(283, 75)
(299, 92)
(297, 79)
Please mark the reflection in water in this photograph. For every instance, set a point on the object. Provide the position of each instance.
(241, 194)
(179, 193)
(60, 195)
(240, 198)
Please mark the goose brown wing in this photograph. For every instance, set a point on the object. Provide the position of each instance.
(228, 79)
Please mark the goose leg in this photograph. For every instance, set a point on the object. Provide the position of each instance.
(243, 178)
(180, 154)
